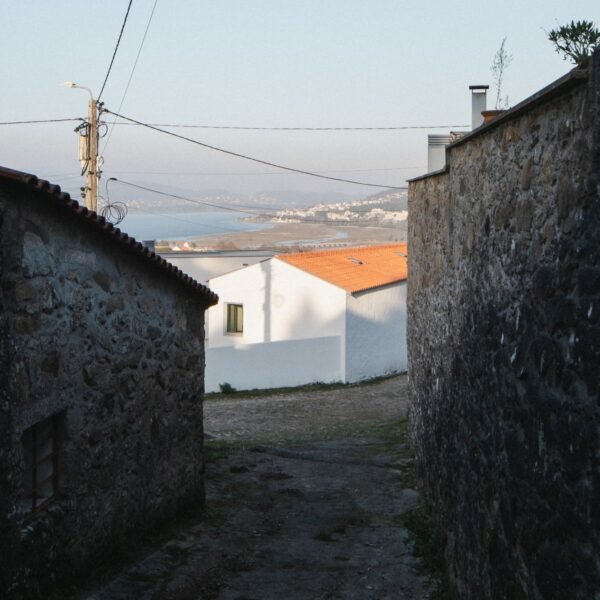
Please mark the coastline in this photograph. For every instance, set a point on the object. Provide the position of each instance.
(291, 236)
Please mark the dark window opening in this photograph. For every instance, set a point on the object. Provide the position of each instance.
(235, 318)
(41, 445)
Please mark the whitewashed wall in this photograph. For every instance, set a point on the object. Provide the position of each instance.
(274, 364)
(284, 305)
(304, 306)
(376, 332)
(281, 302)
(203, 267)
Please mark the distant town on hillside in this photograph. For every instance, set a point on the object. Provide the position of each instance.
(333, 222)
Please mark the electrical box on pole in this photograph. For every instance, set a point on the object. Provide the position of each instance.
(88, 150)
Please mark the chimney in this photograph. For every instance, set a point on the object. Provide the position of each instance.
(436, 150)
(478, 103)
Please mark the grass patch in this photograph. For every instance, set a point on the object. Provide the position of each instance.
(429, 543)
(311, 387)
(215, 450)
(427, 537)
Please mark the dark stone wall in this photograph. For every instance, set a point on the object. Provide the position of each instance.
(504, 348)
(93, 330)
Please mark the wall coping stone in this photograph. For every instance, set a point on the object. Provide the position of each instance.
(557, 88)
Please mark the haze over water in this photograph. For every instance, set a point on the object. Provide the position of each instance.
(183, 226)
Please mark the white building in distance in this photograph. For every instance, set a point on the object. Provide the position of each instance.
(335, 315)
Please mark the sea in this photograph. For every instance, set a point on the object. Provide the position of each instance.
(183, 226)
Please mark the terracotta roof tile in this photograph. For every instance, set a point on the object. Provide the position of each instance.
(354, 269)
(61, 201)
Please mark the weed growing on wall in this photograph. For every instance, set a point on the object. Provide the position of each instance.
(501, 62)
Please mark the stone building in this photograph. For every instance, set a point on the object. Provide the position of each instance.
(101, 385)
(504, 346)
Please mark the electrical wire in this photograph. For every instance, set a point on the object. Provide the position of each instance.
(115, 52)
(60, 177)
(247, 212)
(113, 212)
(130, 75)
(250, 158)
(41, 121)
(235, 127)
(262, 172)
(254, 206)
(246, 128)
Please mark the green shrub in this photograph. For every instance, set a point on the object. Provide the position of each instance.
(227, 388)
(575, 41)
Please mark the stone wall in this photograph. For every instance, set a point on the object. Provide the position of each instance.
(91, 331)
(504, 347)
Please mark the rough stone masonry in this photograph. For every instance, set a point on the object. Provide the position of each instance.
(101, 369)
(504, 347)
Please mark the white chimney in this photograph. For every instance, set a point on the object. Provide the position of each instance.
(436, 150)
(478, 103)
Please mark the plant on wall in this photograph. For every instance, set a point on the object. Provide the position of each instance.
(575, 41)
(501, 62)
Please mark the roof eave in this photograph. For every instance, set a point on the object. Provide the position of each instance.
(90, 218)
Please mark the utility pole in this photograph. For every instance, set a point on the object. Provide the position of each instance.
(93, 166)
(88, 150)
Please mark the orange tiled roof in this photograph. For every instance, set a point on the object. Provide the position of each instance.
(354, 269)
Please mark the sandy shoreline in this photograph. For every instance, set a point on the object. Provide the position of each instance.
(293, 235)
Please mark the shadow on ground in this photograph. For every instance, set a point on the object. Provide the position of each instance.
(313, 509)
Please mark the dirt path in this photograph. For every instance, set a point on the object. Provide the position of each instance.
(305, 500)
(306, 415)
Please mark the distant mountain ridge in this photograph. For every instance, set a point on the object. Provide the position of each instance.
(139, 201)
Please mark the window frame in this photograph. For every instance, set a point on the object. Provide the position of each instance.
(33, 444)
(233, 326)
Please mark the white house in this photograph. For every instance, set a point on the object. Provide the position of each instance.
(335, 315)
(203, 266)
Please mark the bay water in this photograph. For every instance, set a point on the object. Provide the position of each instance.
(183, 226)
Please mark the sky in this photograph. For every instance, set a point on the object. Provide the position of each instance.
(262, 63)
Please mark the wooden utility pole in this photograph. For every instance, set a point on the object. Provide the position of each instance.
(93, 166)
(88, 150)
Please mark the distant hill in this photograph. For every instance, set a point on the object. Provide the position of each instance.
(139, 201)
(293, 199)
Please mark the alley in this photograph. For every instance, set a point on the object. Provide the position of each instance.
(306, 494)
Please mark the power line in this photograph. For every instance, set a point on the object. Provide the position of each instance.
(131, 75)
(235, 127)
(246, 157)
(263, 172)
(239, 210)
(249, 128)
(115, 52)
(71, 175)
(41, 121)
(61, 177)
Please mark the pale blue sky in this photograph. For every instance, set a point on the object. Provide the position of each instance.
(345, 63)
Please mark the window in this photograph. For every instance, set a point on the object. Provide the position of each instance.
(41, 448)
(235, 318)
